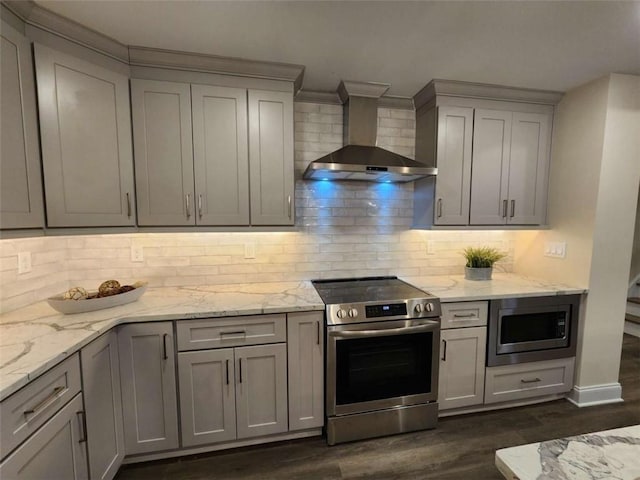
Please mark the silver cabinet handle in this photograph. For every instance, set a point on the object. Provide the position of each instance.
(238, 332)
(464, 315)
(439, 208)
(82, 420)
(200, 205)
(534, 380)
(128, 205)
(188, 204)
(444, 354)
(513, 208)
(45, 401)
(289, 205)
(504, 208)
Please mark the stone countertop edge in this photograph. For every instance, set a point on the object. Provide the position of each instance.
(190, 304)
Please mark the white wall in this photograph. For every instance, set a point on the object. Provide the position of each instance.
(595, 176)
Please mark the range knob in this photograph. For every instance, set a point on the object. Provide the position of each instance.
(418, 308)
(428, 307)
(341, 313)
(353, 313)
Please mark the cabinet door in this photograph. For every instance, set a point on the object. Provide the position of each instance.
(207, 396)
(56, 451)
(85, 128)
(490, 178)
(221, 158)
(529, 168)
(271, 157)
(305, 345)
(20, 179)
(462, 357)
(261, 390)
(147, 372)
(101, 389)
(453, 183)
(162, 143)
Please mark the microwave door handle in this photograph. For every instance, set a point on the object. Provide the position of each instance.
(429, 327)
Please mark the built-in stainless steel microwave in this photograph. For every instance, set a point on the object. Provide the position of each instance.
(530, 329)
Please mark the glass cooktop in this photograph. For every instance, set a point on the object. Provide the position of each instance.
(367, 289)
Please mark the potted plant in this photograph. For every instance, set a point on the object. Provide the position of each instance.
(480, 262)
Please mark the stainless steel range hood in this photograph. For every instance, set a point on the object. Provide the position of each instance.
(360, 158)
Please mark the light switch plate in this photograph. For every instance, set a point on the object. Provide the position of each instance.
(555, 249)
(249, 250)
(137, 253)
(24, 262)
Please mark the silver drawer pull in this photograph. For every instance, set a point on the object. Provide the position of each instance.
(535, 380)
(239, 332)
(45, 401)
(464, 315)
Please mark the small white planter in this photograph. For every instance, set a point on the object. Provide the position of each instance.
(478, 273)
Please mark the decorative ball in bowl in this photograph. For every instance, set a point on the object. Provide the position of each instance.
(109, 294)
(480, 262)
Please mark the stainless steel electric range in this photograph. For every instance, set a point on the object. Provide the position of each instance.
(383, 338)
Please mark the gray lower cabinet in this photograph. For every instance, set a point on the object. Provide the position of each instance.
(261, 390)
(161, 113)
(56, 451)
(271, 157)
(232, 393)
(305, 351)
(462, 367)
(102, 399)
(20, 178)
(207, 396)
(147, 374)
(85, 128)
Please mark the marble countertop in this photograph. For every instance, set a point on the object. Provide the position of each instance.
(612, 454)
(454, 288)
(35, 338)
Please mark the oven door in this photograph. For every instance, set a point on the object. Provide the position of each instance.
(378, 365)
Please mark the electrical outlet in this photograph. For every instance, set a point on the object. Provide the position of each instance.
(249, 250)
(555, 249)
(24, 262)
(137, 253)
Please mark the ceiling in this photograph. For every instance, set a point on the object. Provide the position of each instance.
(552, 45)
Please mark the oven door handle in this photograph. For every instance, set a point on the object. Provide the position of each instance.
(427, 327)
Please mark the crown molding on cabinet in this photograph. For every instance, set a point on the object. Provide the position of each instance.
(454, 88)
(171, 59)
(333, 98)
(33, 14)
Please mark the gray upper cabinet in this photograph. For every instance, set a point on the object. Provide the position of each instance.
(492, 147)
(85, 128)
(221, 159)
(161, 113)
(271, 157)
(20, 178)
(510, 167)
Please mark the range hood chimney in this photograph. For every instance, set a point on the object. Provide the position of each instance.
(360, 158)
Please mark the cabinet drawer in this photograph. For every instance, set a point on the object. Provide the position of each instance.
(464, 314)
(524, 380)
(231, 332)
(28, 409)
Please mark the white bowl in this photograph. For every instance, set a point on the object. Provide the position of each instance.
(90, 304)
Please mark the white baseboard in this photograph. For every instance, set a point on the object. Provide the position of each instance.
(632, 329)
(596, 395)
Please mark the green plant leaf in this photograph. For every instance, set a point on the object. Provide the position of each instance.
(482, 257)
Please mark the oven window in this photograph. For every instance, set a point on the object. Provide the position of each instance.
(383, 367)
(533, 327)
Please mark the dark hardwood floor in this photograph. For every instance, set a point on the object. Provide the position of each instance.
(461, 448)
